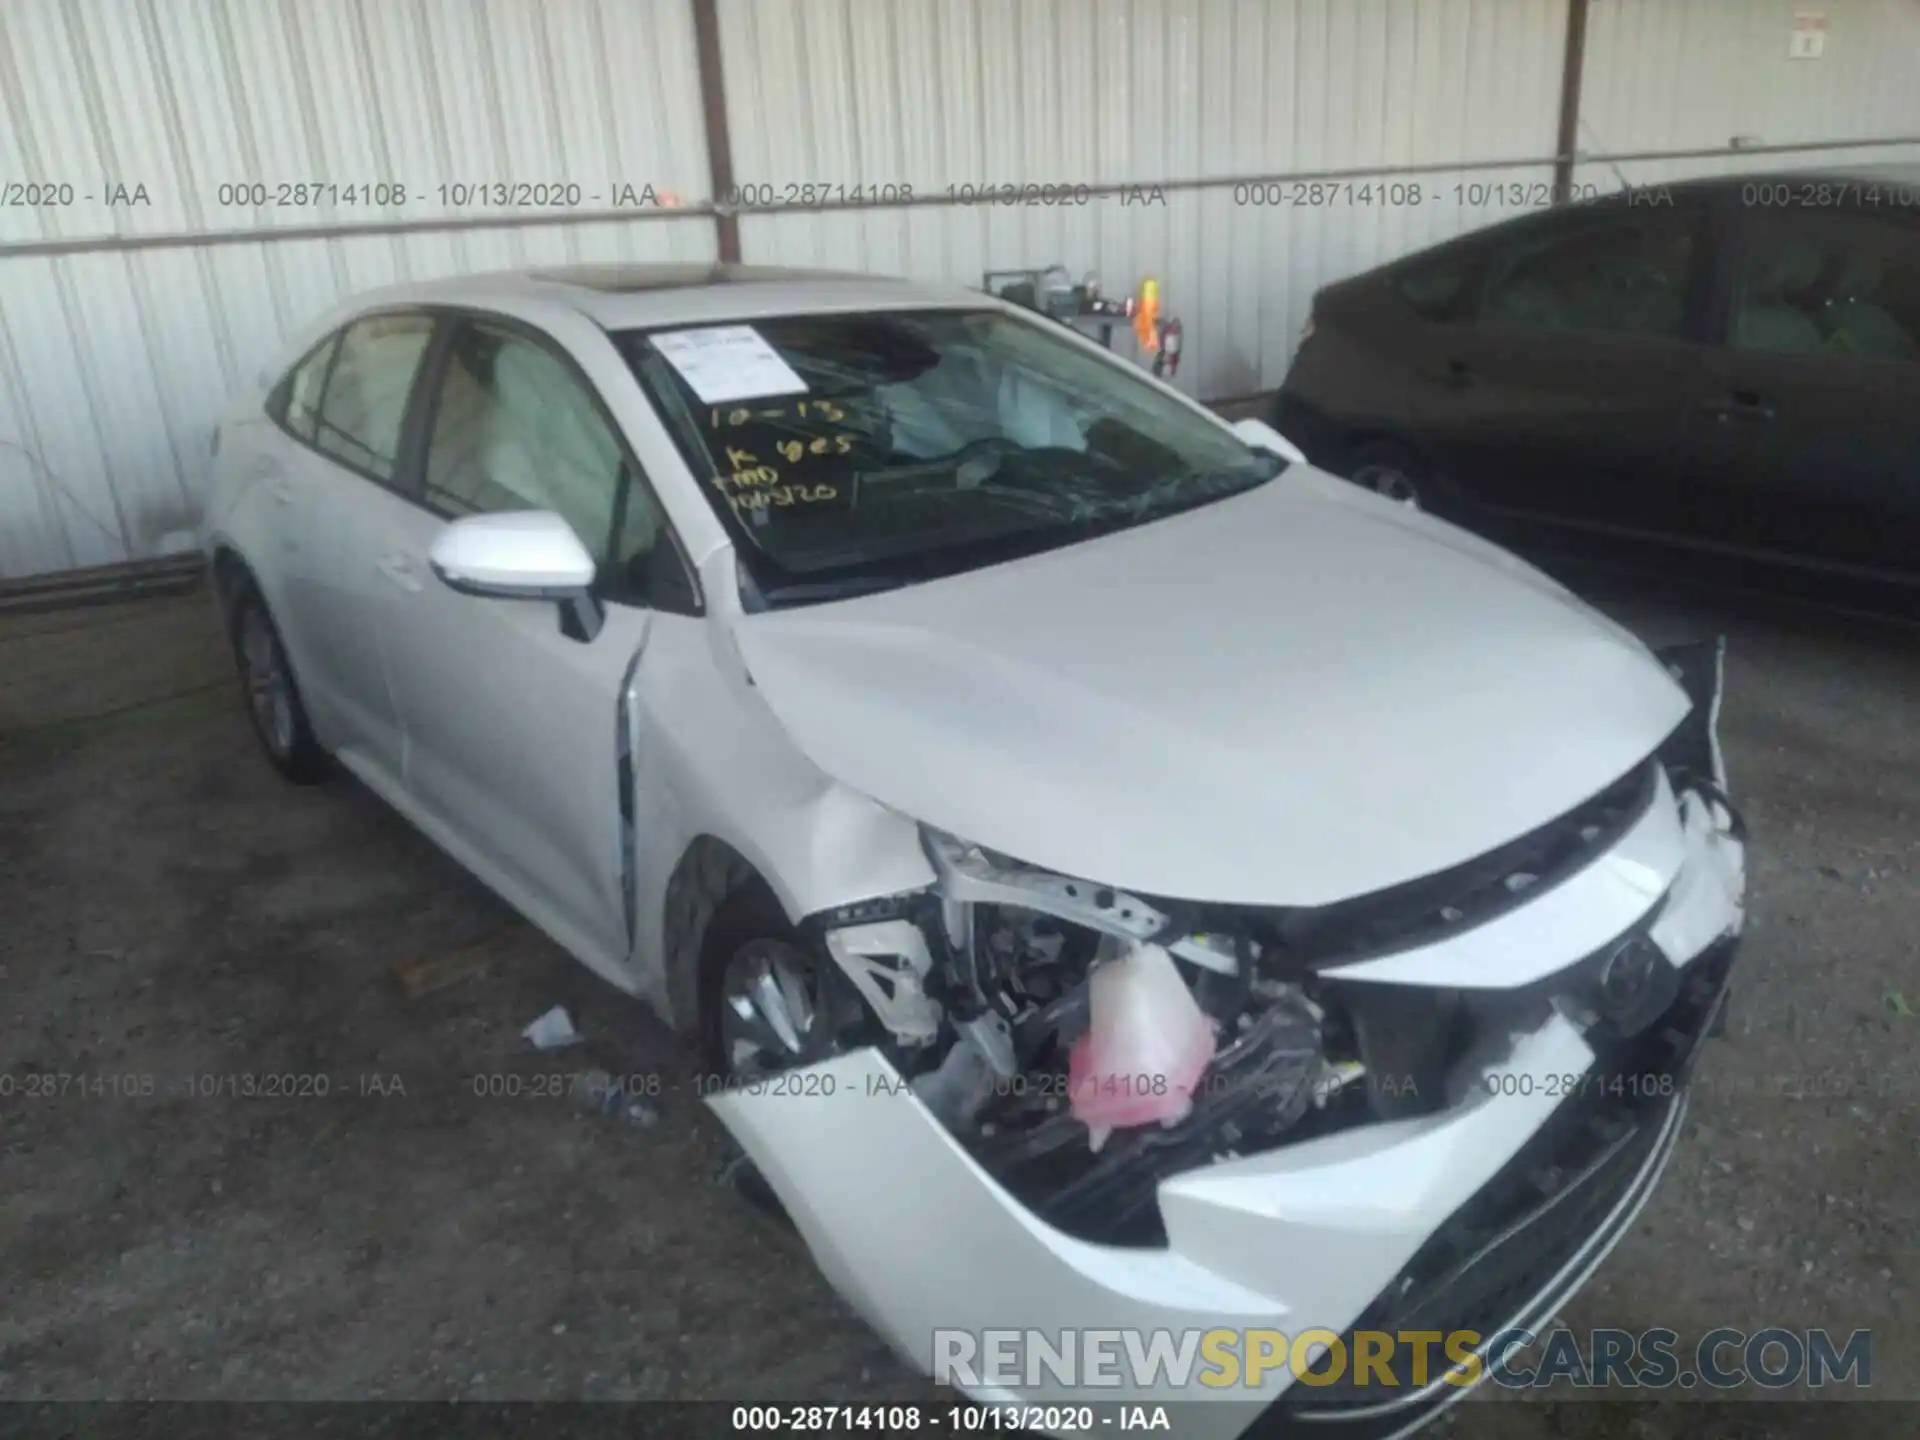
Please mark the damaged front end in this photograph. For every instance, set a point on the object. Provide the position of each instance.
(1369, 1072)
(1322, 1018)
(1009, 963)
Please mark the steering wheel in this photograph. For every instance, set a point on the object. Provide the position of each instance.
(981, 457)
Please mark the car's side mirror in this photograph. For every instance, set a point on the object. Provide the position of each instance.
(1262, 436)
(521, 555)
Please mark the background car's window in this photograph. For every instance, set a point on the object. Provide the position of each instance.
(515, 430)
(1814, 283)
(1628, 277)
(1438, 290)
(302, 413)
(366, 395)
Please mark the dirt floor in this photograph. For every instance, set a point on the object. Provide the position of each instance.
(179, 924)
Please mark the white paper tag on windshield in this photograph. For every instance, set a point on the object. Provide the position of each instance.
(728, 362)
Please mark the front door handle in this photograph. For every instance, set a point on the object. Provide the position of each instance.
(1456, 375)
(282, 493)
(398, 568)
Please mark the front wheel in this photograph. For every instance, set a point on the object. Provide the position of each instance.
(273, 698)
(771, 1000)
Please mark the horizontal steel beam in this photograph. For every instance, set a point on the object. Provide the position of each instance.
(1351, 172)
(276, 234)
(361, 229)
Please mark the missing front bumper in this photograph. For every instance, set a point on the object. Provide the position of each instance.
(1486, 1214)
(1532, 1236)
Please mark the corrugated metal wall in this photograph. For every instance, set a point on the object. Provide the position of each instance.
(1665, 75)
(124, 326)
(115, 362)
(945, 93)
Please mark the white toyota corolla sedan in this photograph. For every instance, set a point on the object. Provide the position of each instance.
(1128, 879)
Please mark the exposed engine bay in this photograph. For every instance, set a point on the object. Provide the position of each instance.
(1019, 1087)
(1078, 1048)
(1084, 1043)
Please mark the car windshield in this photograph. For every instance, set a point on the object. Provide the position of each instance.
(850, 452)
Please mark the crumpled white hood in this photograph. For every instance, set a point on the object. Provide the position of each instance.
(1294, 696)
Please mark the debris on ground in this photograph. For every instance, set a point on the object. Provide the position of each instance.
(553, 1030)
(600, 1093)
(429, 973)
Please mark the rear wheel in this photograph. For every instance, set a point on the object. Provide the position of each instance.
(1391, 472)
(273, 698)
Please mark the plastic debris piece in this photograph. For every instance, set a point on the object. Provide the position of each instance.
(553, 1030)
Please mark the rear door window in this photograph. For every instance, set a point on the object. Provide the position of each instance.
(366, 394)
(297, 405)
(1813, 282)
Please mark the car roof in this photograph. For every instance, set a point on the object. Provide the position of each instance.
(631, 297)
(1904, 179)
(1900, 176)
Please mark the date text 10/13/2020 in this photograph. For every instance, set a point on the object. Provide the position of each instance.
(960, 1419)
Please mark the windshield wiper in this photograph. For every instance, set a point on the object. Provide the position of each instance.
(1184, 491)
(802, 592)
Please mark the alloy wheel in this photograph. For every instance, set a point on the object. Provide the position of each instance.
(269, 685)
(777, 1009)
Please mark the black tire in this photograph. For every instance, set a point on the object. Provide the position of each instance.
(284, 733)
(1393, 472)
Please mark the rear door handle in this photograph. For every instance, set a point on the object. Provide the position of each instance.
(1744, 408)
(398, 568)
(1457, 375)
(267, 472)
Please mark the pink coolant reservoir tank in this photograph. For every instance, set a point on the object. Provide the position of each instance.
(1146, 1046)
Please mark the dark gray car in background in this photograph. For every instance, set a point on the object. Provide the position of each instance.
(1729, 365)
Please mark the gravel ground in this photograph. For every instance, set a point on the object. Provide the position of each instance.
(173, 913)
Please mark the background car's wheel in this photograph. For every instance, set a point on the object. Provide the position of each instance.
(273, 699)
(1391, 472)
